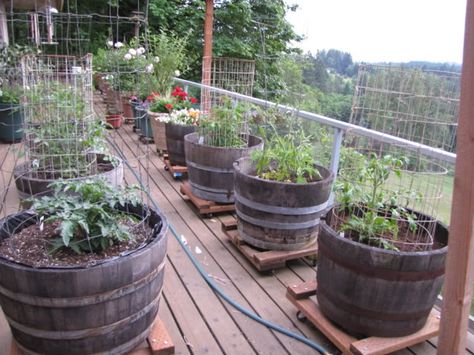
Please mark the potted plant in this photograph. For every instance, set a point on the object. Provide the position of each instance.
(221, 139)
(180, 123)
(63, 137)
(281, 193)
(91, 263)
(159, 113)
(11, 114)
(380, 263)
(11, 110)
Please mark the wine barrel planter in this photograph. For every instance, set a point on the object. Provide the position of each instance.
(210, 169)
(158, 129)
(106, 308)
(29, 184)
(11, 123)
(175, 142)
(378, 292)
(278, 215)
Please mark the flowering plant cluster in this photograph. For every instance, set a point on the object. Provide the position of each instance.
(121, 63)
(185, 117)
(177, 100)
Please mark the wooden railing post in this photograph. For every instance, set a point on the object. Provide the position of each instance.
(460, 261)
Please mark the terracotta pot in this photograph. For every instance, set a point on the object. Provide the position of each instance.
(115, 120)
(127, 109)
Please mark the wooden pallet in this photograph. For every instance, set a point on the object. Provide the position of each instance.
(300, 295)
(205, 207)
(158, 342)
(176, 171)
(263, 260)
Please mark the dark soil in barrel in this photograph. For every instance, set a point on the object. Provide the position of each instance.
(32, 247)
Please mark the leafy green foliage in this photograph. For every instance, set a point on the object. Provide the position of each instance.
(374, 212)
(225, 126)
(10, 72)
(89, 220)
(287, 158)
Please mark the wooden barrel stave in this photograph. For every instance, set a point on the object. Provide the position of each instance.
(210, 169)
(108, 307)
(378, 292)
(275, 215)
(175, 142)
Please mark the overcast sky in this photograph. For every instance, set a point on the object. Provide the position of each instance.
(383, 30)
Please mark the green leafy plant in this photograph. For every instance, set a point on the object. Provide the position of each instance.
(87, 213)
(168, 54)
(225, 126)
(287, 158)
(373, 213)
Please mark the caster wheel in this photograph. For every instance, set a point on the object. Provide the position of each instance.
(300, 316)
(166, 168)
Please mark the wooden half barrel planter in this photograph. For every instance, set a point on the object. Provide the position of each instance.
(376, 292)
(210, 169)
(29, 183)
(106, 308)
(175, 142)
(278, 215)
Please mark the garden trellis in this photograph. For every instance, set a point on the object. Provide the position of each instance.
(416, 105)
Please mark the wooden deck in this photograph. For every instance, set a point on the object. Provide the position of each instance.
(197, 319)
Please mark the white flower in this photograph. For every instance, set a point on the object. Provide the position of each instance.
(149, 68)
(127, 56)
(118, 44)
(156, 59)
(132, 52)
(110, 43)
(177, 73)
(140, 50)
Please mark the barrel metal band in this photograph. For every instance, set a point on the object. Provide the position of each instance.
(384, 274)
(297, 211)
(337, 301)
(209, 168)
(83, 333)
(275, 246)
(66, 302)
(277, 225)
(209, 189)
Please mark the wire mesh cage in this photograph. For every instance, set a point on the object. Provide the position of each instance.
(397, 191)
(233, 74)
(59, 118)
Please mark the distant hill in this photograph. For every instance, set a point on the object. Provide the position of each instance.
(448, 67)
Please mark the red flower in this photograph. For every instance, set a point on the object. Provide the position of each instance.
(152, 96)
(169, 107)
(193, 100)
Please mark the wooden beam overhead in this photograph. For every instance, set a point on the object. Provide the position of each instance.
(460, 261)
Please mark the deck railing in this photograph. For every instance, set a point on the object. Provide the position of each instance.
(339, 127)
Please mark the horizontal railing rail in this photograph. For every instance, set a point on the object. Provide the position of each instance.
(339, 126)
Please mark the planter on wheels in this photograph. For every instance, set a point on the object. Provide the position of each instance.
(278, 215)
(175, 142)
(210, 169)
(158, 129)
(377, 292)
(29, 183)
(11, 123)
(106, 308)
